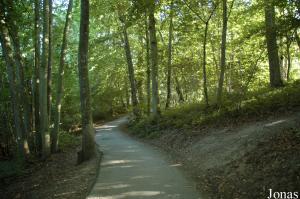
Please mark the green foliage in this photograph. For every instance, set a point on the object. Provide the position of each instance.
(256, 105)
(68, 140)
(246, 82)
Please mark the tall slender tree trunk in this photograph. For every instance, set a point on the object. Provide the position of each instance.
(13, 85)
(223, 54)
(88, 132)
(131, 76)
(216, 59)
(36, 81)
(49, 70)
(169, 68)
(148, 66)
(20, 67)
(44, 128)
(289, 64)
(140, 80)
(59, 91)
(274, 65)
(126, 93)
(297, 39)
(154, 61)
(204, 65)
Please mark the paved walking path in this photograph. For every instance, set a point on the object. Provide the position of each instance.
(132, 170)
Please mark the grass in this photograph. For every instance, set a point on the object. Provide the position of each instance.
(256, 105)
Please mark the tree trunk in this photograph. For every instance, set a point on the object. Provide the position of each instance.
(36, 82)
(59, 91)
(148, 66)
(297, 39)
(9, 58)
(215, 58)
(88, 132)
(44, 128)
(24, 103)
(274, 66)
(49, 70)
(131, 75)
(289, 64)
(223, 54)
(169, 68)
(178, 90)
(204, 65)
(154, 61)
(126, 93)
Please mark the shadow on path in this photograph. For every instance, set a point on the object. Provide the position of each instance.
(130, 169)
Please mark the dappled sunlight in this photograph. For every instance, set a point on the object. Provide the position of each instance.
(134, 194)
(175, 165)
(107, 126)
(117, 186)
(131, 170)
(131, 194)
(117, 162)
(120, 166)
(104, 128)
(275, 123)
(140, 177)
(129, 151)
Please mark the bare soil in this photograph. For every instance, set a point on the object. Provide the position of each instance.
(58, 177)
(240, 161)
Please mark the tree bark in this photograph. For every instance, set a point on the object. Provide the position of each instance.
(49, 70)
(59, 91)
(131, 76)
(169, 67)
(154, 61)
(88, 132)
(36, 81)
(13, 85)
(44, 128)
(126, 93)
(297, 39)
(148, 66)
(178, 90)
(20, 67)
(274, 65)
(204, 65)
(223, 54)
(289, 64)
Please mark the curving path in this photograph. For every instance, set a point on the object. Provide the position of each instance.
(130, 169)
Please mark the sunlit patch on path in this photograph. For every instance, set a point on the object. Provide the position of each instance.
(131, 169)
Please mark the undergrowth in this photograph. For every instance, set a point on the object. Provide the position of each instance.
(68, 140)
(13, 167)
(256, 105)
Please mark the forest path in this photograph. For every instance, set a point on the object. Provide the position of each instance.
(131, 169)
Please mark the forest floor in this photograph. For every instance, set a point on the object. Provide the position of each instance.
(239, 161)
(57, 177)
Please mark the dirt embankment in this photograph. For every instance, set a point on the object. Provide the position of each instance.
(240, 162)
